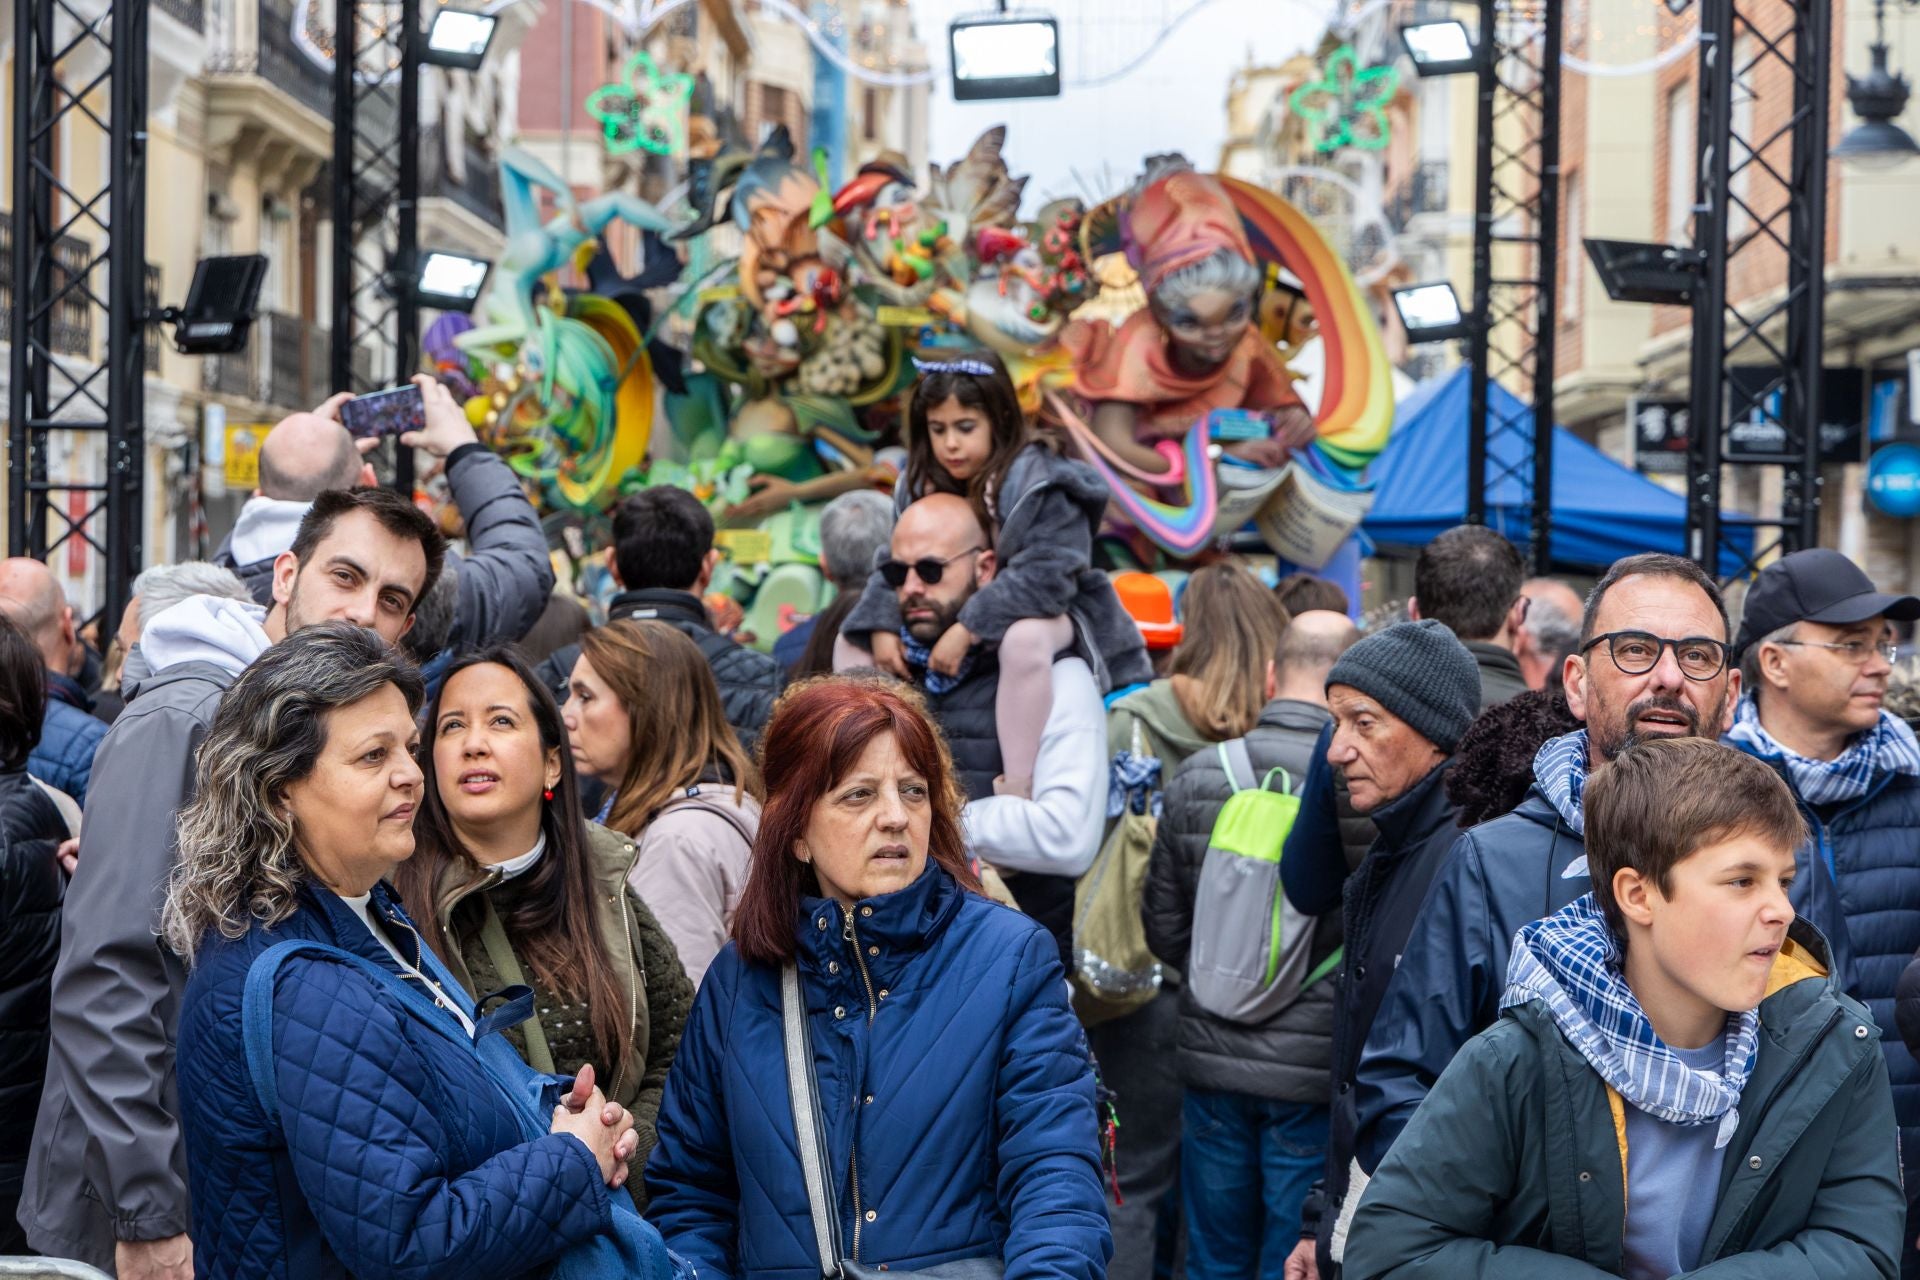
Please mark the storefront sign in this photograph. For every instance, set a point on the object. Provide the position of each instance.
(1893, 481)
(1761, 436)
(243, 454)
(1658, 429)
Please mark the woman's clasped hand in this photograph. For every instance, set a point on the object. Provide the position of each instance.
(605, 1127)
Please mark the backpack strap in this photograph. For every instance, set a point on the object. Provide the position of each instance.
(734, 815)
(1238, 764)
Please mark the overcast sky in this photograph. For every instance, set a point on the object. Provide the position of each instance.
(1174, 101)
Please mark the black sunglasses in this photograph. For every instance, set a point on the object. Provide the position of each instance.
(930, 571)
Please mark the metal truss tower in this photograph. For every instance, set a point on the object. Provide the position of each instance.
(1516, 263)
(78, 253)
(376, 199)
(1761, 191)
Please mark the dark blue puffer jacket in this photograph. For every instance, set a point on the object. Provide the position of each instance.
(1870, 851)
(69, 737)
(957, 1099)
(395, 1156)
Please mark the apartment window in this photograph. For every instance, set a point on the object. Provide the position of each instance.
(1680, 122)
(1573, 254)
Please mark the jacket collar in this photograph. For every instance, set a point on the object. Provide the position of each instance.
(1294, 713)
(65, 688)
(610, 857)
(346, 931)
(899, 924)
(1410, 818)
(660, 603)
(1489, 656)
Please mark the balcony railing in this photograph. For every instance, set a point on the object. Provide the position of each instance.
(478, 192)
(1425, 192)
(70, 329)
(284, 365)
(192, 13)
(280, 62)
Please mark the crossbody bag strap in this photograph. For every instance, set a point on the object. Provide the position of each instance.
(806, 1125)
(493, 940)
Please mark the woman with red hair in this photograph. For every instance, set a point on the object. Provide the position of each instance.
(931, 1061)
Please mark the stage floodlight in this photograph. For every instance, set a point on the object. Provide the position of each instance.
(1635, 271)
(459, 39)
(1443, 48)
(221, 305)
(1004, 56)
(1431, 312)
(450, 281)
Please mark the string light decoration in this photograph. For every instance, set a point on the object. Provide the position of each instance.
(645, 112)
(1347, 106)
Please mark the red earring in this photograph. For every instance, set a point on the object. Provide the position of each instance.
(548, 793)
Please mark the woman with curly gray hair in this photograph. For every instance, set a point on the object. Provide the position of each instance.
(345, 1110)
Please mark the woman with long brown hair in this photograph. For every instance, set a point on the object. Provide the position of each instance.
(870, 985)
(511, 886)
(645, 718)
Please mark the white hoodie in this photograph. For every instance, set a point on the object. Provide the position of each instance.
(226, 633)
(265, 529)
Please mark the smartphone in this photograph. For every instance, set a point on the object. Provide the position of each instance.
(385, 413)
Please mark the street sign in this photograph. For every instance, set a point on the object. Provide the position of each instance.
(1893, 480)
(1761, 437)
(1657, 426)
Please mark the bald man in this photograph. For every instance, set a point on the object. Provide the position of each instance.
(1039, 842)
(1550, 631)
(302, 457)
(1255, 1113)
(31, 596)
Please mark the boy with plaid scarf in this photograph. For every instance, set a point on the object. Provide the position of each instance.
(1677, 1084)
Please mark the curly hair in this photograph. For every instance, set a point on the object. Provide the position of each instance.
(238, 863)
(1493, 764)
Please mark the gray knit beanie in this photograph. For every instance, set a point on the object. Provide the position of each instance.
(1420, 673)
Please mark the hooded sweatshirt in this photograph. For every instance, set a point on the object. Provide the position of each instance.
(213, 629)
(265, 529)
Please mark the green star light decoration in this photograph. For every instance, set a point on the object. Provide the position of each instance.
(648, 112)
(1347, 106)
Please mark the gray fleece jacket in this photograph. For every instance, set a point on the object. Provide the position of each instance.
(1049, 510)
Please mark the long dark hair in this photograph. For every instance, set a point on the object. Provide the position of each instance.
(994, 396)
(549, 918)
(816, 735)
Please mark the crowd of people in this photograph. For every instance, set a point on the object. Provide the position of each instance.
(372, 914)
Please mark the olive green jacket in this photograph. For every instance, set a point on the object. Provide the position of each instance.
(655, 987)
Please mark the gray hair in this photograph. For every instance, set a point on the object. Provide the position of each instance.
(853, 528)
(1551, 630)
(238, 863)
(165, 585)
(1222, 270)
(1750, 680)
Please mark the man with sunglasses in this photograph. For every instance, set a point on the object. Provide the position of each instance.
(1652, 662)
(1815, 649)
(937, 559)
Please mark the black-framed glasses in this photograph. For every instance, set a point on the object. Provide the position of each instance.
(1638, 652)
(930, 571)
(1854, 651)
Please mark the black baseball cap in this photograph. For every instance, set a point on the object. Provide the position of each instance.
(1815, 585)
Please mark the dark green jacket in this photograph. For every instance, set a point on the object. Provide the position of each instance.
(1513, 1166)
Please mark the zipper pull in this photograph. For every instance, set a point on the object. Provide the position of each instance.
(846, 932)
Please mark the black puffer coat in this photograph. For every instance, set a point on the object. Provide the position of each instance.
(31, 888)
(1288, 1058)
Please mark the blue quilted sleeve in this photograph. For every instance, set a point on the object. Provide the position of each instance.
(1048, 1140)
(366, 1122)
(693, 1189)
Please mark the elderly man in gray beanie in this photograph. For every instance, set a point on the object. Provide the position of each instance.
(1401, 699)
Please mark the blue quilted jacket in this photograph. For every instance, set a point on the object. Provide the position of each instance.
(955, 1092)
(395, 1155)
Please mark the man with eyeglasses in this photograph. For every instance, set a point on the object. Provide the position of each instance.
(937, 559)
(1815, 649)
(1651, 662)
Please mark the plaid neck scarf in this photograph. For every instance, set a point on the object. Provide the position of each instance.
(1571, 963)
(1560, 767)
(1888, 747)
(917, 655)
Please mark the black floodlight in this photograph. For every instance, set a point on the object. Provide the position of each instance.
(459, 39)
(1004, 56)
(1443, 48)
(450, 281)
(1636, 271)
(1431, 312)
(221, 305)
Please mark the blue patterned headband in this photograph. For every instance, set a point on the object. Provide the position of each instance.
(978, 368)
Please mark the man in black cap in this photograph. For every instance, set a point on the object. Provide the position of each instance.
(1815, 649)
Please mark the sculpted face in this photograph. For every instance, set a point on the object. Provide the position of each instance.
(1208, 326)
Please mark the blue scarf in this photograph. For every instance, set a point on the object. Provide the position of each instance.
(1571, 963)
(917, 655)
(1888, 747)
(1560, 768)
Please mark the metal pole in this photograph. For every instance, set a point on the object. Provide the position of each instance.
(1540, 537)
(407, 247)
(1806, 273)
(1707, 391)
(126, 311)
(1478, 343)
(29, 392)
(345, 50)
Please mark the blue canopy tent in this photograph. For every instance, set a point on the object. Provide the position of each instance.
(1601, 510)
